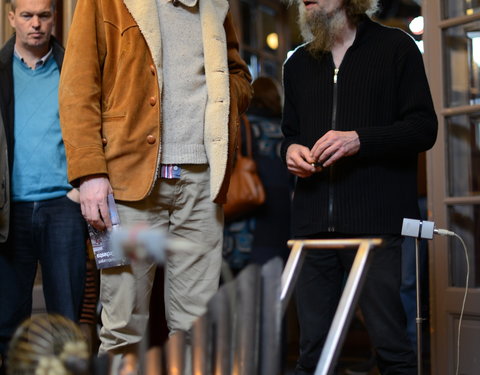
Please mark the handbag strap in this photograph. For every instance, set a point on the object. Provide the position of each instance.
(248, 136)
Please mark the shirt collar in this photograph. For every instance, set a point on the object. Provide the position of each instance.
(187, 3)
(39, 62)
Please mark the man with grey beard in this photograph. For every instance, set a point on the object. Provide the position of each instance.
(357, 112)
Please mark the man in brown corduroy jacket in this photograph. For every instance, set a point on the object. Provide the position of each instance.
(150, 96)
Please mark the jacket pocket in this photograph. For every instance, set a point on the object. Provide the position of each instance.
(113, 117)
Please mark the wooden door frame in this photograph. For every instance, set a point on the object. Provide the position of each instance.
(445, 300)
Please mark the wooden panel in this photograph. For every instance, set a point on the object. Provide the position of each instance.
(469, 344)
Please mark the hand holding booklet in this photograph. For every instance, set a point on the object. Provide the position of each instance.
(105, 255)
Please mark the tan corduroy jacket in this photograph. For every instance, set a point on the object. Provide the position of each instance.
(110, 96)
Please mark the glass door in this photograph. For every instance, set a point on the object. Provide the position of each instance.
(263, 34)
(452, 57)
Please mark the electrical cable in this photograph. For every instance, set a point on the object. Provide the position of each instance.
(464, 300)
(444, 232)
(425, 229)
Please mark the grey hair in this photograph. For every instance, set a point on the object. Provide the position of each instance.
(354, 8)
(13, 5)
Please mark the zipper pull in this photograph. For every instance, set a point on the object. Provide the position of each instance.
(335, 74)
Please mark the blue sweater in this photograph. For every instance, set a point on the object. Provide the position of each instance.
(39, 164)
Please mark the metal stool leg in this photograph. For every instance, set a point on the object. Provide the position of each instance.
(348, 300)
(344, 313)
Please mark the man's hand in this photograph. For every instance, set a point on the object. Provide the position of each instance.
(300, 161)
(335, 145)
(93, 200)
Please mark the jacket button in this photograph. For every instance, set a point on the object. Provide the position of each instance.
(152, 69)
(153, 101)
(151, 139)
(104, 141)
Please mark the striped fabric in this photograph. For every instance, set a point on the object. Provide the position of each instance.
(170, 171)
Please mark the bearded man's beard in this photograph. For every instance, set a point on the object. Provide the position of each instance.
(321, 29)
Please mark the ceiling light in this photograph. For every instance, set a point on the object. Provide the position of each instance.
(272, 41)
(416, 25)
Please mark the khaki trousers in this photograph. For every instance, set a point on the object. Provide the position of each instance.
(184, 209)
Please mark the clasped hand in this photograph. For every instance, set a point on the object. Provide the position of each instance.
(334, 145)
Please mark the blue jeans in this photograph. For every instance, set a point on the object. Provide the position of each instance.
(52, 233)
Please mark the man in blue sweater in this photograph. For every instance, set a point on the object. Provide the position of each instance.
(46, 225)
(357, 112)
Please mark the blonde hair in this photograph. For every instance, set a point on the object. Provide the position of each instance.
(48, 344)
(13, 5)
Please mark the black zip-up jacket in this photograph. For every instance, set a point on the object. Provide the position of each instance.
(382, 93)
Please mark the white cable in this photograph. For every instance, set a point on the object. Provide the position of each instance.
(464, 300)
(444, 232)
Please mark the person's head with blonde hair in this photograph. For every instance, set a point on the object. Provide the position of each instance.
(48, 344)
(33, 21)
(321, 22)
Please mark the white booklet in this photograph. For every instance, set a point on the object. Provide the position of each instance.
(105, 255)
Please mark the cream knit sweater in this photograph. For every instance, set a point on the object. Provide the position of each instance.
(184, 86)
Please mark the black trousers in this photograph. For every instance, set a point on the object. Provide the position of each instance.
(318, 292)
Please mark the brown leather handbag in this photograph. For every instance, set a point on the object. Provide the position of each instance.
(246, 191)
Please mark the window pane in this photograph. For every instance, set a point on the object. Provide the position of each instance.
(464, 221)
(457, 8)
(252, 62)
(463, 152)
(462, 49)
(270, 69)
(249, 35)
(269, 30)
